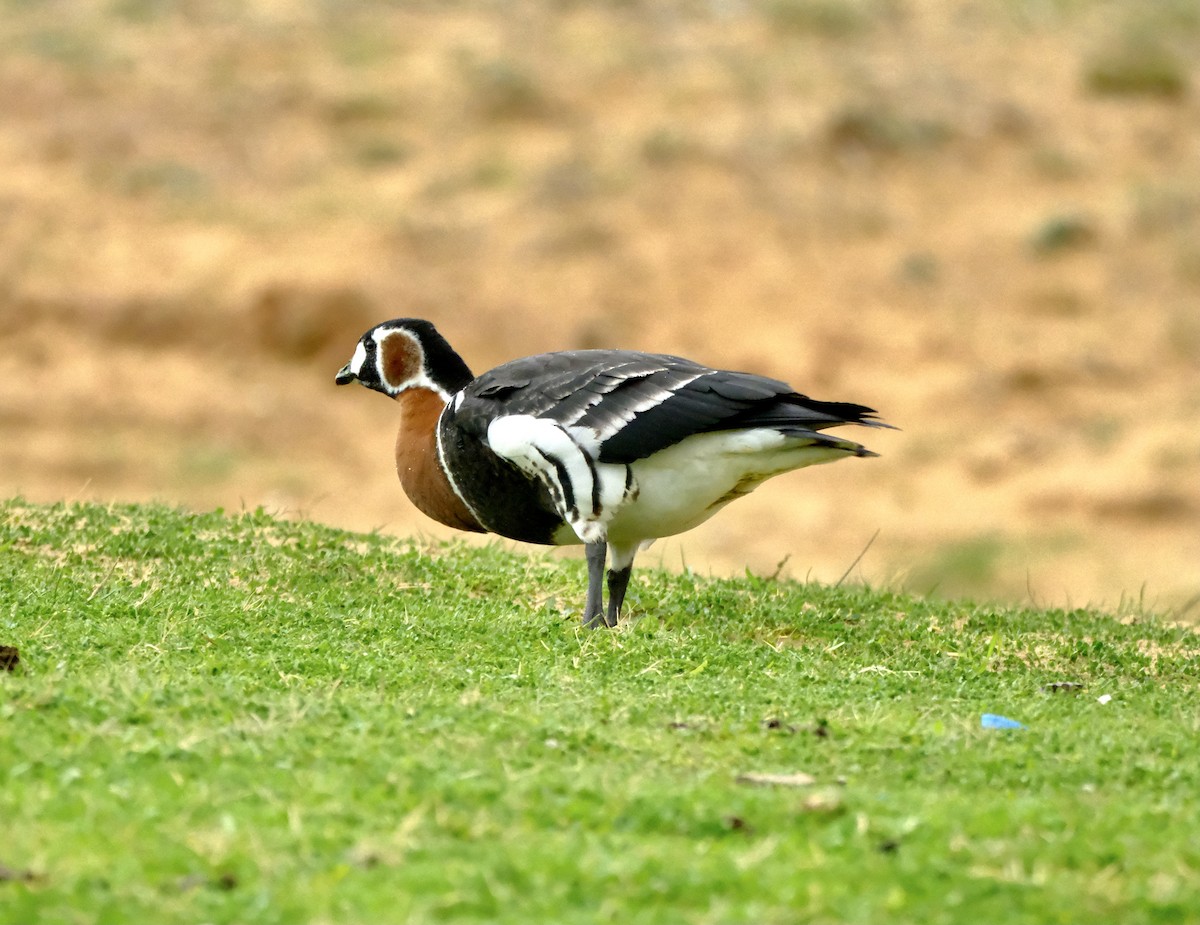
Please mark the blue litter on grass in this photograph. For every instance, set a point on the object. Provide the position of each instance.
(996, 721)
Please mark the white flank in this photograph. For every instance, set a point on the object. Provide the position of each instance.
(535, 445)
(672, 491)
(685, 484)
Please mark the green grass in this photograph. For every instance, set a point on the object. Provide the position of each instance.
(236, 719)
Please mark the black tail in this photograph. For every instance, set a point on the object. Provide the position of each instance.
(795, 409)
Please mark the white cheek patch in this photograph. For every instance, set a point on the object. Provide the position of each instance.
(360, 357)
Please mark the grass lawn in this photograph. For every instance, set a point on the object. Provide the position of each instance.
(237, 719)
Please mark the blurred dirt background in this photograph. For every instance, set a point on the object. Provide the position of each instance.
(981, 218)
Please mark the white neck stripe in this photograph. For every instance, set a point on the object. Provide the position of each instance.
(446, 469)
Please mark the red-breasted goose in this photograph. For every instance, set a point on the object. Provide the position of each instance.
(609, 448)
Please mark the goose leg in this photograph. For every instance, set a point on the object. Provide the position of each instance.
(593, 611)
(618, 582)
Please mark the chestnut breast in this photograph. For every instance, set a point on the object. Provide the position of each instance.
(417, 463)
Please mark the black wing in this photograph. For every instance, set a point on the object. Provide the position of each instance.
(640, 403)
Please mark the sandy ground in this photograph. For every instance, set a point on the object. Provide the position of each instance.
(943, 210)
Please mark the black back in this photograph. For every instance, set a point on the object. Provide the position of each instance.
(640, 403)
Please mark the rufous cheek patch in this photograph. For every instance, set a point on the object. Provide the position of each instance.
(400, 358)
